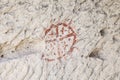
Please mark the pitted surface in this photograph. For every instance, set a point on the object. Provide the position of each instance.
(96, 24)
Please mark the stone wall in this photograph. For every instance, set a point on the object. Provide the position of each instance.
(59, 39)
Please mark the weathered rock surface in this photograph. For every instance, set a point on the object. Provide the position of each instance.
(87, 49)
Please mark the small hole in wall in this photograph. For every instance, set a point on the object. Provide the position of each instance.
(81, 55)
(2, 56)
(102, 32)
(12, 51)
(94, 53)
(28, 47)
(20, 3)
(114, 39)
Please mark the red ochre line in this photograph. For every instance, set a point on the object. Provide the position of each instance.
(71, 29)
(64, 24)
(57, 33)
(62, 30)
(56, 26)
(49, 60)
(66, 36)
(47, 30)
(59, 53)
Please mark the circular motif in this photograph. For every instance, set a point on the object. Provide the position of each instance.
(59, 40)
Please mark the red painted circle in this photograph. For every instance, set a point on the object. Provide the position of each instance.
(59, 40)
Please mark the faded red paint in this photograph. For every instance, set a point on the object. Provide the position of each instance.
(60, 39)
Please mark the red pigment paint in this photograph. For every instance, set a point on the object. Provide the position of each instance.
(60, 39)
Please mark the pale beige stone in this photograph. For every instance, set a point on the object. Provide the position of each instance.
(22, 44)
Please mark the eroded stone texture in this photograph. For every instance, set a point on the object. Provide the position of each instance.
(96, 25)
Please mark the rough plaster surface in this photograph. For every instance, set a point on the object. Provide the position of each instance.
(97, 27)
